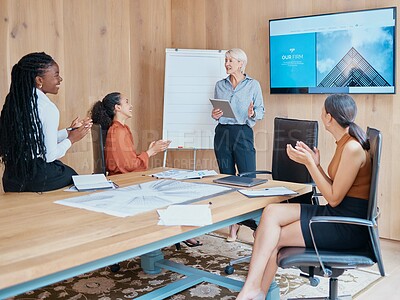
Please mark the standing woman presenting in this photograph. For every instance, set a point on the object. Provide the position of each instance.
(234, 138)
(30, 142)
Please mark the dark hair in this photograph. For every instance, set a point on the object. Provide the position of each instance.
(103, 111)
(344, 110)
(21, 132)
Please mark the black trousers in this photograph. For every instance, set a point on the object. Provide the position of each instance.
(46, 177)
(234, 146)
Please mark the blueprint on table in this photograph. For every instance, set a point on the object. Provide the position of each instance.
(139, 198)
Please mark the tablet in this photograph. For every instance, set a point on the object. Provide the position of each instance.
(240, 181)
(223, 105)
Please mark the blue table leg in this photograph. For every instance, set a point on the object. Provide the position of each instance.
(148, 262)
(273, 292)
(195, 276)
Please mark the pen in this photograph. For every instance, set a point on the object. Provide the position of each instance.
(115, 185)
(71, 128)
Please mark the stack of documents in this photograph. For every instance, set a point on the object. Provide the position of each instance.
(91, 182)
(185, 215)
(269, 192)
(184, 174)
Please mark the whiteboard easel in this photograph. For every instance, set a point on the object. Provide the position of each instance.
(194, 156)
(190, 77)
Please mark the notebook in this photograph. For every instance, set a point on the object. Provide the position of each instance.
(91, 182)
(269, 192)
(240, 181)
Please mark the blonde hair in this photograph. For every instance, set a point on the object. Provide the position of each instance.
(239, 55)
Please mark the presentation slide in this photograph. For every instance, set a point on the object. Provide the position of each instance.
(293, 61)
(350, 52)
(374, 45)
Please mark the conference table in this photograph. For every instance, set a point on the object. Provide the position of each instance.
(42, 242)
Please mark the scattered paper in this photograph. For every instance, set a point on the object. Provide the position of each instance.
(139, 198)
(269, 192)
(184, 174)
(185, 215)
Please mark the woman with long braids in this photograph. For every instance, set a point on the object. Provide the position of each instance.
(345, 188)
(30, 142)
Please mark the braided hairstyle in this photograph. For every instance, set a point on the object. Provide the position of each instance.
(21, 132)
(344, 110)
(103, 111)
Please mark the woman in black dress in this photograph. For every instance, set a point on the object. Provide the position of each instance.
(345, 188)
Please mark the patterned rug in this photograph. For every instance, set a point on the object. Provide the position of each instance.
(130, 282)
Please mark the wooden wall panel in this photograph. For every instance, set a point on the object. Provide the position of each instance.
(96, 65)
(75, 71)
(4, 57)
(150, 35)
(4, 50)
(184, 18)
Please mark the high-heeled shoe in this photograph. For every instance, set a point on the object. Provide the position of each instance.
(192, 243)
(231, 238)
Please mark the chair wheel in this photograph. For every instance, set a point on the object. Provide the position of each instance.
(314, 281)
(229, 269)
(178, 246)
(115, 268)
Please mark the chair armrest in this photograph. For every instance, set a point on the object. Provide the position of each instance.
(254, 172)
(343, 220)
(330, 219)
(315, 195)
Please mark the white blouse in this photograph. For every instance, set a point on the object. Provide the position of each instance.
(56, 141)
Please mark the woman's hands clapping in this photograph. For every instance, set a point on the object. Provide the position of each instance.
(77, 122)
(79, 128)
(302, 154)
(157, 146)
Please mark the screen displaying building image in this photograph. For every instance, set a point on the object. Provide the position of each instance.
(350, 52)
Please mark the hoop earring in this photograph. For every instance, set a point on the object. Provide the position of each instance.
(40, 86)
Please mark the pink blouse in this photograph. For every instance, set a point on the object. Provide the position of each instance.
(120, 153)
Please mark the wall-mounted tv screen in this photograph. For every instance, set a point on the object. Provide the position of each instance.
(349, 52)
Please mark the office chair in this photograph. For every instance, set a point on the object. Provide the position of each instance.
(286, 131)
(289, 131)
(333, 263)
(98, 143)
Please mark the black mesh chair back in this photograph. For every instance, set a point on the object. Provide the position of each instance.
(98, 143)
(286, 131)
(375, 141)
(289, 131)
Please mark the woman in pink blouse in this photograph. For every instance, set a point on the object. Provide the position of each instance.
(120, 154)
